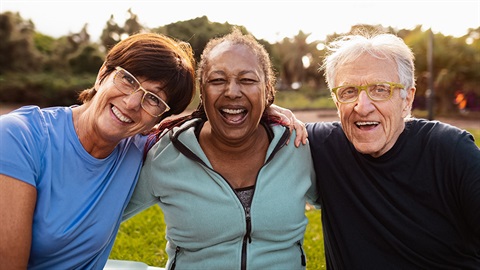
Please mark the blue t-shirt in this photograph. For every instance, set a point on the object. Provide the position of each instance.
(80, 199)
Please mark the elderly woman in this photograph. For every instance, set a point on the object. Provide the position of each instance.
(232, 191)
(67, 173)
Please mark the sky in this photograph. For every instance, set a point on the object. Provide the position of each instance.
(265, 19)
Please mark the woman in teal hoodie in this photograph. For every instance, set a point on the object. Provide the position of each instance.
(232, 190)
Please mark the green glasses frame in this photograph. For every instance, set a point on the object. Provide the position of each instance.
(360, 88)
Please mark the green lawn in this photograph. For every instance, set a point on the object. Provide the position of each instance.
(476, 135)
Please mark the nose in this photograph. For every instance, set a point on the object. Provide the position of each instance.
(364, 104)
(134, 100)
(233, 90)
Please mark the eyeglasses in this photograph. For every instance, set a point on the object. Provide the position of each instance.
(378, 91)
(128, 84)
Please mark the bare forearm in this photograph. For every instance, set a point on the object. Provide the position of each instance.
(17, 204)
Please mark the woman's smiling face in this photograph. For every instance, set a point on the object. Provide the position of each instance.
(118, 115)
(234, 93)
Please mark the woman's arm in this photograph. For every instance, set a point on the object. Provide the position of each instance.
(287, 116)
(17, 204)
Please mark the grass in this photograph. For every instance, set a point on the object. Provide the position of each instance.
(476, 135)
(142, 238)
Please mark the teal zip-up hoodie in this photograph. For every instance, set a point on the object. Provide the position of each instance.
(207, 226)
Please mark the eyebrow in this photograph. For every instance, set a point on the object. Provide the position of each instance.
(243, 72)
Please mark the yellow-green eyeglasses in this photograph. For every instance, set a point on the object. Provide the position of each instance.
(378, 91)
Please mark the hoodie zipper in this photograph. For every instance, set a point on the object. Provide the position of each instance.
(303, 259)
(174, 263)
(247, 238)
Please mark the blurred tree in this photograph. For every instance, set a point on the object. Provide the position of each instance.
(87, 60)
(298, 64)
(111, 34)
(132, 26)
(17, 49)
(58, 52)
(296, 59)
(456, 65)
(197, 32)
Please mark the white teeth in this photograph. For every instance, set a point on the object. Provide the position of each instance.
(232, 111)
(120, 116)
(367, 123)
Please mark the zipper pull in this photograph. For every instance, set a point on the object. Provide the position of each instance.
(302, 256)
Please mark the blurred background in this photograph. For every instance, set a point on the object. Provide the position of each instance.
(51, 50)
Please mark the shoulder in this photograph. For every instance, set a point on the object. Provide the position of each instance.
(185, 134)
(27, 119)
(323, 127)
(444, 140)
(34, 115)
(321, 131)
(437, 131)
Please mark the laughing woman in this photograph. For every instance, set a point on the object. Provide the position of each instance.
(232, 191)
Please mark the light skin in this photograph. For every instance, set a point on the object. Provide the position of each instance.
(234, 96)
(101, 124)
(113, 116)
(373, 127)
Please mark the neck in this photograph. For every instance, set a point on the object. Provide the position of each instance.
(238, 163)
(238, 149)
(89, 137)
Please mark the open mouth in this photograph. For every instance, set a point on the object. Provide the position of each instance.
(234, 116)
(120, 116)
(367, 125)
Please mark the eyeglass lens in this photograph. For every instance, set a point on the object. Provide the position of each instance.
(128, 84)
(377, 91)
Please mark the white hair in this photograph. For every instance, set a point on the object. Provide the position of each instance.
(383, 46)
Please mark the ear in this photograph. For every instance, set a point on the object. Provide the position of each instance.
(408, 102)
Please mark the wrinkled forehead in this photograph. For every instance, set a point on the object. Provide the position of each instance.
(227, 47)
(233, 57)
(366, 68)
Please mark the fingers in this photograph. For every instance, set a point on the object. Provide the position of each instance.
(302, 134)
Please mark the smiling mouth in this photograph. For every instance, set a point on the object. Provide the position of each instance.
(234, 115)
(367, 125)
(120, 116)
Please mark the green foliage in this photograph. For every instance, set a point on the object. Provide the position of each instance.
(297, 100)
(197, 32)
(142, 238)
(17, 50)
(111, 34)
(296, 59)
(43, 89)
(88, 60)
(44, 44)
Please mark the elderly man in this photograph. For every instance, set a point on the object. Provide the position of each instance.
(395, 192)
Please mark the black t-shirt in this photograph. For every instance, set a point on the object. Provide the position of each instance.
(415, 207)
